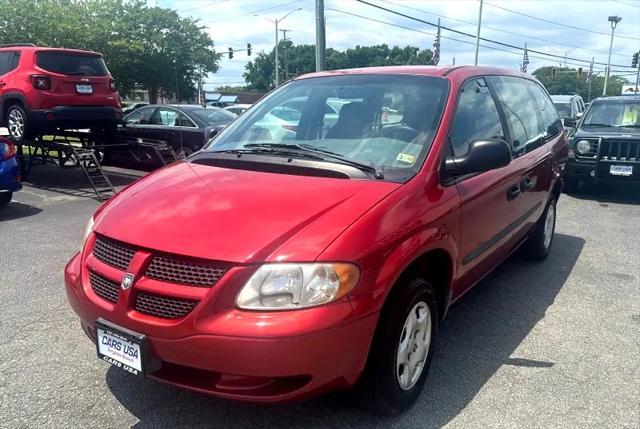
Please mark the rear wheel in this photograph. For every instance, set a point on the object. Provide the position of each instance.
(402, 349)
(5, 198)
(17, 123)
(539, 243)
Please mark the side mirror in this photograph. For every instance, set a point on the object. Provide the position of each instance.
(483, 155)
(570, 122)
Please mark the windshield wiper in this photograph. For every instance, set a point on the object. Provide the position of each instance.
(320, 153)
(598, 125)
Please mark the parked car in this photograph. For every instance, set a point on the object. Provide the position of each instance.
(9, 171)
(130, 107)
(606, 145)
(238, 109)
(569, 106)
(271, 270)
(185, 127)
(44, 89)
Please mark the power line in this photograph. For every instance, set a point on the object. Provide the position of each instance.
(519, 54)
(256, 11)
(200, 7)
(506, 45)
(501, 30)
(558, 23)
(628, 4)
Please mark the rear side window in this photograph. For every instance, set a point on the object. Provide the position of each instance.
(8, 61)
(549, 121)
(71, 63)
(140, 116)
(476, 117)
(520, 109)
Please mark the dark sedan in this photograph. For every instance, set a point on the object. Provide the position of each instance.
(185, 127)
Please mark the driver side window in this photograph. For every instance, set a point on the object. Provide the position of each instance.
(476, 117)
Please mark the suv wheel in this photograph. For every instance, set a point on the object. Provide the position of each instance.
(402, 349)
(570, 185)
(539, 243)
(17, 122)
(5, 198)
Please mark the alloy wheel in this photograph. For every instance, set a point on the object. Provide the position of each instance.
(16, 124)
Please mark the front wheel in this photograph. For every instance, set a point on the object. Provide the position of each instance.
(539, 243)
(5, 198)
(402, 349)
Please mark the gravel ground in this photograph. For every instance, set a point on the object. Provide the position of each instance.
(554, 344)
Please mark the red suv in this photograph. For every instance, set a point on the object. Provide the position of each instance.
(273, 266)
(43, 89)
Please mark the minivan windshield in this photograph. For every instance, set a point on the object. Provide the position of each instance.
(386, 122)
(70, 63)
(614, 113)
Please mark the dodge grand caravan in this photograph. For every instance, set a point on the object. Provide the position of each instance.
(272, 269)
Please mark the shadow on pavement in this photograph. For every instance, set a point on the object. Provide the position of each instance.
(16, 210)
(623, 193)
(479, 335)
(72, 181)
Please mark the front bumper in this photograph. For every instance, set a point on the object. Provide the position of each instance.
(599, 171)
(262, 357)
(10, 175)
(75, 117)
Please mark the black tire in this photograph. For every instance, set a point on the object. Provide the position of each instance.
(5, 198)
(18, 133)
(380, 389)
(570, 185)
(537, 247)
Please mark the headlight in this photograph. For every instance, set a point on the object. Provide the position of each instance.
(87, 231)
(292, 286)
(583, 146)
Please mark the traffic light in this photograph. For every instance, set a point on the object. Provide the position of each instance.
(249, 49)
(579, 71)
(554, 72)
(634, 61)
(230, 53)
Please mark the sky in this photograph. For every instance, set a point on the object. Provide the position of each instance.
(234, 23)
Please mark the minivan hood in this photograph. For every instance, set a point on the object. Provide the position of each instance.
(237, 215)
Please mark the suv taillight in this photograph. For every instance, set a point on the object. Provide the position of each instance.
(8, 149)
(40, 82)
(112, 85)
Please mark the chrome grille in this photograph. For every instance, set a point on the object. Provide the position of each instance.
(163, 306)
(104, 288)
(619, 150)
(186, 272)
(113, 253)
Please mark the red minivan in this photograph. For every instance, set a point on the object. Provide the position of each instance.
(45, 89)
(289, 258)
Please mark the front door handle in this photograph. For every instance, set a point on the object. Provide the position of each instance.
(527, 183)
(513, 192)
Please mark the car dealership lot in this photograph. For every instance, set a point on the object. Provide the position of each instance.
(535, 345)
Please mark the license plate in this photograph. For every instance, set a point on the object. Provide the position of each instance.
(119, 349)
(84, 89)
(621, 170)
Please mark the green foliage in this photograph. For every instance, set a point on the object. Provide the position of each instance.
(568, 82)
(299, 59)
(143, 46)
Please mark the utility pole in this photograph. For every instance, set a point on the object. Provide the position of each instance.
(177, 86)
(478, 33)
(614, 20)
(286, 61)
(590, 79)
(320, 37)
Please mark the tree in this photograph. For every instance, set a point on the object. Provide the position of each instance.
(567, 81)
(259, 74)
(148, 47)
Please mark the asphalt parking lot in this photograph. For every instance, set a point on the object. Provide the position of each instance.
(555, 344)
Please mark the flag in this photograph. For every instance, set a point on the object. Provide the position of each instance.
(525, 59)
(436, 47)
(590, 74)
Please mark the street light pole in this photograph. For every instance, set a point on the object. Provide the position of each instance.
(478, 33)
(614, 20)
(276, 22)
(320, 37)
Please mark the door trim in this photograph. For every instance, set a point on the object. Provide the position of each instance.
(500, 235)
